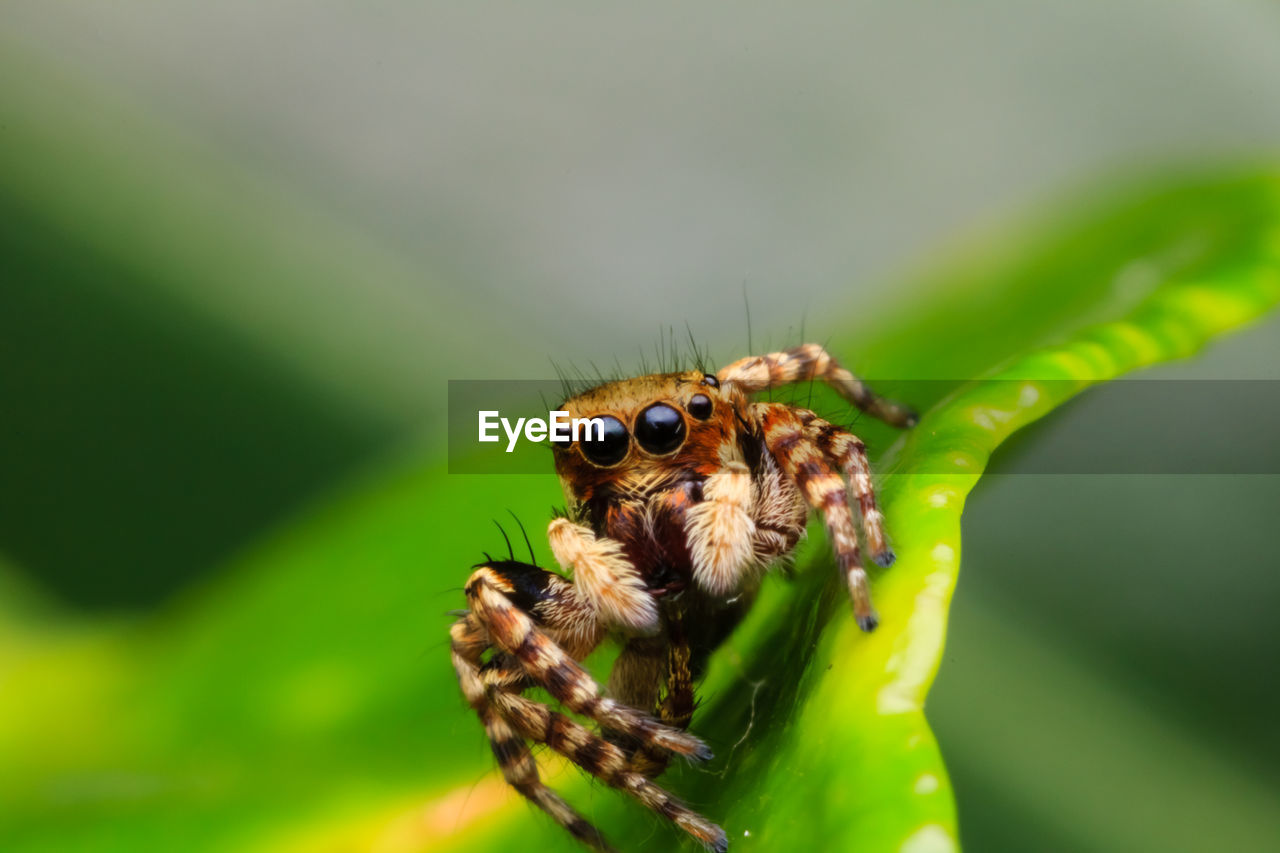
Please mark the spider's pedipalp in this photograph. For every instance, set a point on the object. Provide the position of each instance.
(720, 530)
(603, 575)
(812, 361)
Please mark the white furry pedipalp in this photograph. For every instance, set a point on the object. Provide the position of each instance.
(603, 575)
(720, 530)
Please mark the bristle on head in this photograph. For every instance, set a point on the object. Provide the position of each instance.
(669, 355)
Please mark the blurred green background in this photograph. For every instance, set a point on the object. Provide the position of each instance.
(245, 245)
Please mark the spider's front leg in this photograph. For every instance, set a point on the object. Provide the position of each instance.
(538, 625)
(806, 448)
(471, 637)
(550, 665)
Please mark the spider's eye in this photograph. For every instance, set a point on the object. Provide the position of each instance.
(609, 448)
(660, 429)
(708, 379)
(700, 406)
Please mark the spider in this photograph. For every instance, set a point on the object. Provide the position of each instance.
(672, 516)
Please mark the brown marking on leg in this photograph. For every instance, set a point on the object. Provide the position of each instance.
(469, 641)
(781, 512)
(548, 665)
(807, 362)
(847, 451)
(604, 761)
(802, 460)
(521, 772)
(676, 707)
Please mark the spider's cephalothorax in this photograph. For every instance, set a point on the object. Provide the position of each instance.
(692, 491)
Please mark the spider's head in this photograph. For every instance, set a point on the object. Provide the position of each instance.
(652, 430)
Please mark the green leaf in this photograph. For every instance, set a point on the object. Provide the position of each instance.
(304, 699)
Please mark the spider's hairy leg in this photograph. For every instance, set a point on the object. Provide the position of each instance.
(550, 666)
(676, 708)
(605, 761)
(721, 531)
(780, 514)
(801, 459)
(634, 680)
(469, 641)
(849, 452)
(812, 361)
(603, 575)
(639, 672)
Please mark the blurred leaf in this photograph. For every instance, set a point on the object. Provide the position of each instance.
(304, 699)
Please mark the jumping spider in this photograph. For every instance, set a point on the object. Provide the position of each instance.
(672, 518)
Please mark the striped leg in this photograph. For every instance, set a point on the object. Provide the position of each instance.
(635, 680)
(524, 654)
(521, 772)
(811, 361)
(676, 708)
(550, 666)
(787, 440)
(605, 761)
(469, 640)
(848, 452)
(503, 674)
(640, 670)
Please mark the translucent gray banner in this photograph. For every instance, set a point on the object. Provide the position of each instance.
(1131, 426)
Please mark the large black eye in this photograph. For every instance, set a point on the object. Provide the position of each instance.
(700, 406)
(660, 429)
(606, 450)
